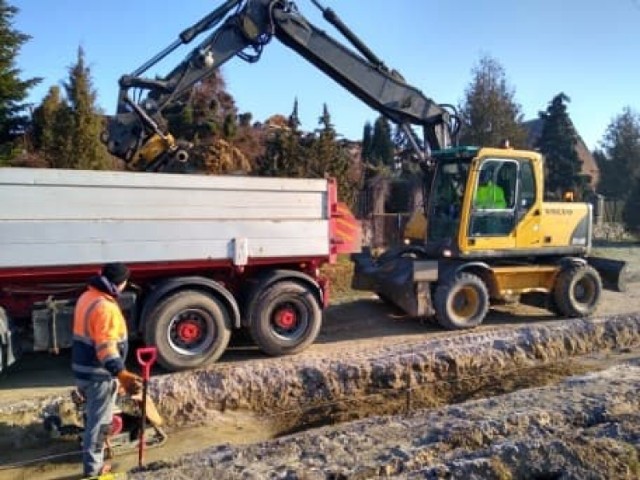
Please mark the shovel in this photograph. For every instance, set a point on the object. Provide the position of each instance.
(146, 358)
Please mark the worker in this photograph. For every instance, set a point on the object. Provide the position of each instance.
(98, 355)
(489, 195)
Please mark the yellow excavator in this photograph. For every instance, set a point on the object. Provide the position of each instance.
(487, 234)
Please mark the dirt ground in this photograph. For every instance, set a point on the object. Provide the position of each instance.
(349, 325)
(355, 328)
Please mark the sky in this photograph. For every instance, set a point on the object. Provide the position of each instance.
(588, 49)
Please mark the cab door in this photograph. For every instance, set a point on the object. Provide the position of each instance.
(529, 214)
(492, 218)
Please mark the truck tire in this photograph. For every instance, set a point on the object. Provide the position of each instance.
(190, 329)
(285, 318)
(461, 302)
(577, 290)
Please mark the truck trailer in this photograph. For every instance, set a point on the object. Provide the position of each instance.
(207, 254)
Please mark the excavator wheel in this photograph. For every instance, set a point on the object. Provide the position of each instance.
(577, 290)
(461, 302)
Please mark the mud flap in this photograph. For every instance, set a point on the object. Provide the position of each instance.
(614, 273)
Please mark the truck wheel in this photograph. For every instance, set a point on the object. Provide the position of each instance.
(577, 290)
(462, 302)
(190, 329)
(285, 318)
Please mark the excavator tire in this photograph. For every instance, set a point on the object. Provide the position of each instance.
(286, 318)
(577, 290)
(461, 302)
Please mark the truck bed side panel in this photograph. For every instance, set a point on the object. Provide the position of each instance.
(54, 217)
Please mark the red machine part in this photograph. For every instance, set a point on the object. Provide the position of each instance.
(117, 424)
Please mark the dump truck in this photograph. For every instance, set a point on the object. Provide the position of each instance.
(207, 254)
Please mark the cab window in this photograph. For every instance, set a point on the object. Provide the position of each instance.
(494, 198)
(527, 187)
(446, 204)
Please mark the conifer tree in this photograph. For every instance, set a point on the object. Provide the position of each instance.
(382, 147)
(619, 156)
(557, 143)
(324, 153)
(284, 154)
(367, 139)
(489, 113)
(229, 127)
(619, 163)
(331, 159)
(82, 122)
(42, 123)
(13, 90)
(294, 118)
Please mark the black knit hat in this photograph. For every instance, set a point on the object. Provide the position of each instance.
(115, 272)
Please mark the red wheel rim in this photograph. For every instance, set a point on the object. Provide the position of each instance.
(189, 331)
(286, 318)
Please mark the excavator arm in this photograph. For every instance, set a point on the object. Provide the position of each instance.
(138, 132)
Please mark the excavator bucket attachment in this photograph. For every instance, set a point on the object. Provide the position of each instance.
(614, 273)
(397, 277)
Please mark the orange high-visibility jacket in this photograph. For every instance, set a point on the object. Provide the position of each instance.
(99, 336)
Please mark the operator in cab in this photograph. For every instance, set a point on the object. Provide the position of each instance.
(98, 354)
(489, 194)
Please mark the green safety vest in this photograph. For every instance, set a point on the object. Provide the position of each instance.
(490, 196)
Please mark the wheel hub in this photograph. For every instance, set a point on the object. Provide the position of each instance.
(189, 331)
(286, 318)
(583, 291)
(465, 302)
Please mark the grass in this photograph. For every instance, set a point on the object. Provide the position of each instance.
(339, 275)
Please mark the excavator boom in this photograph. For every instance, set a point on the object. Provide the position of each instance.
(138, 132)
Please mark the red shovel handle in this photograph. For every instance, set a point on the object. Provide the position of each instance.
(146, 358)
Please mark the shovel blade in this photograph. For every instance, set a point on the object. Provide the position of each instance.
(153, 416)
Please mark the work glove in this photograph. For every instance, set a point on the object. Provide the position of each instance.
(130, 382)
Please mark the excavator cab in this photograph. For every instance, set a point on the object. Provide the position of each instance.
(485, 202)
